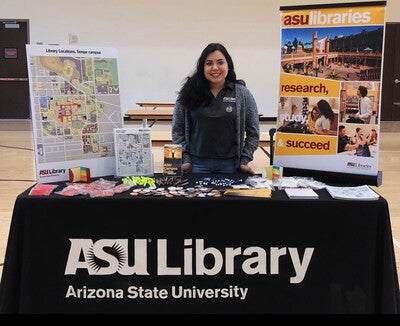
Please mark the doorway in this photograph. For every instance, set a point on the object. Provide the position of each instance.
(14, 83)
(390, 106)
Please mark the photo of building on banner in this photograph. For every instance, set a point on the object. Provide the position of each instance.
(328, 113)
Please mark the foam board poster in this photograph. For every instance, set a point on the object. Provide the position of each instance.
(75, 105)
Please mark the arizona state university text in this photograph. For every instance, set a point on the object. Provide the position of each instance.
(175, 292)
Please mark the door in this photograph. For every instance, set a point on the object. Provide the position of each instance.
(14, 83)
(390, 107)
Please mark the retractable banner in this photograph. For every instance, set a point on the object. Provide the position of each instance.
(330, 87)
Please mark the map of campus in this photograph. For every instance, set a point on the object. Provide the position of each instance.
(76, 107)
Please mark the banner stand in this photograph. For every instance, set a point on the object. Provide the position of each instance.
(330, 75)
(336, 178)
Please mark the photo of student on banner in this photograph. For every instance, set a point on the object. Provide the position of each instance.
(315, 117)
(323, 124)
(352, 140)
(364, 112)
(359, 102)
(344, 141)
(372, 137)
(291, 117)
(361, 140)
(312, 116)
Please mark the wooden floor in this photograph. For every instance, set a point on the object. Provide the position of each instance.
(17, 172)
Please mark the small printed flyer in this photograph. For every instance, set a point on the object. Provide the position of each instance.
(133, 152)
(172, 159)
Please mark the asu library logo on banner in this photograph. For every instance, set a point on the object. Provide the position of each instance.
(328, 113)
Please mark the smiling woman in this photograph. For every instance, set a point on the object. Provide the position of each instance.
(215, 117)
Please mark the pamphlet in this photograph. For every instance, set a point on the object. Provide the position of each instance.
(172, 159)
(301, 193)
(133, 156)
(264, 193)
(352, 193)
(42, 189)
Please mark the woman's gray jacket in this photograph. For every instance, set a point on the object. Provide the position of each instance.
(247, 127)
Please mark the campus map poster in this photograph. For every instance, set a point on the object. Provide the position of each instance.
(330, 86)
(75, 105)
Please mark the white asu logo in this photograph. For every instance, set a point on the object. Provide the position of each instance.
(98, 261)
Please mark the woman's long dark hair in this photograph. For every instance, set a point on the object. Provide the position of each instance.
(196, 88)
(326, 109)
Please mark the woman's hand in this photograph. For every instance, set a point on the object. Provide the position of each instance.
(246, 169)
(186, 167)
(311, 129)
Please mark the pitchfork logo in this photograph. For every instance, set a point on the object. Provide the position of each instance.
(116, 250)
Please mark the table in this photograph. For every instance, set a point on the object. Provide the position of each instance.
(155, 115)
(156, 105)
(158, 255)
(160, 138)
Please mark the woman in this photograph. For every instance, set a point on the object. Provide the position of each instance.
(360, 138)
(215, 117)
(363, 148)
(372, 138)
(312, 117)
(324, 121)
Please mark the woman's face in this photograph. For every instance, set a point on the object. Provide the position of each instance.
(216, 68)
(316, 113)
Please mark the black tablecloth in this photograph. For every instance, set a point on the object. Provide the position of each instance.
(236, 255)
